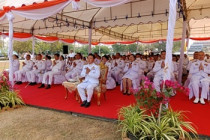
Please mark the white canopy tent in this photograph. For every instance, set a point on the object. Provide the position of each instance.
(129, 20)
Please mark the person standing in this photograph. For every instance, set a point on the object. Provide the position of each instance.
(91, 73)
(16, 63)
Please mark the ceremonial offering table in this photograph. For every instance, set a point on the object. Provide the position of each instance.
(71, 87)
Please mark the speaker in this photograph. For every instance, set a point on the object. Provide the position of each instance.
(65, 49)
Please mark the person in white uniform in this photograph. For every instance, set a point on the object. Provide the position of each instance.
(16, 63)
(159, 71)
(38, 67)
(199, 70)
(56, 69)
(142, 65)
(195, 58)
(131, 77)
(91, 73)
(150, 66)
(76, 67)
(71, 54)
(27, 66)
(48, 63)
(117, 68)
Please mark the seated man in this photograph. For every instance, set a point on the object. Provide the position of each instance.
(38, 67)
(159, 71)
(91, 72)
(27, 66)
(117, 68)
(76, 69)
(56, 69)
(48, 63)
(199, 70)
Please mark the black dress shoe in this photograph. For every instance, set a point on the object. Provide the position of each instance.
(83, 103)
(20, 83)
(42, 86)
(87, 104)
(124, 93)
(48, 87)
(30, 84)
(128, 94)
(34, 83)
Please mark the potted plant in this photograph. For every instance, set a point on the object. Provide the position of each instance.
(150, 117)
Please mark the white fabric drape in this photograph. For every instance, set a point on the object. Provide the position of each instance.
(170, 37)
(89, 39)
(110, 3)
(47, 41)
(182, 52)
(42, 13)
(10, 18)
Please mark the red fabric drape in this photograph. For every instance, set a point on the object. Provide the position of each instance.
(19, 35)
(47, 38)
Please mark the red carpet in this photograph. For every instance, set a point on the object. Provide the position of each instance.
(54, 99)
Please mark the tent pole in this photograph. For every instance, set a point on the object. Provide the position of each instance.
(99, 50)
(74, 46)
(33, 45)
(182, 52)
(90, 39)
(168, 70)
(10, 18)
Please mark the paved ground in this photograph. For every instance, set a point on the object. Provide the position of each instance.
(28, 123)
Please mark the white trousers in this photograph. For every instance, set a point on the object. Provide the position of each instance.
(48, 77)
(86, 86)
(31, 75)
(195, 82)
(18, 75)
(72, 74)
(157, 81)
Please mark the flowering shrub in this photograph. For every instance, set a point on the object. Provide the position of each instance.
(147, 97)
(4, 82)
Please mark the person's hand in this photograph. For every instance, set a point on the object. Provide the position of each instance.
(24, 63)
(87, 70)
(115, 64)
(201, 67)
(162, 64)
(54, 63)
(130, 65)
(35, 67)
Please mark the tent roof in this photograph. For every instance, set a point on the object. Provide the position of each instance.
(142, 20)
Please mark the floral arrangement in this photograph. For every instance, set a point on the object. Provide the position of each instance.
(8, 97)
(4, 82)
(148, 98)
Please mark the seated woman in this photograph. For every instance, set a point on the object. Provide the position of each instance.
(110, 82)
(131, 76)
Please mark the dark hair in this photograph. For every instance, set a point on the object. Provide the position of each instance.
(91, 55)
(162, 52)
(28, 55)
(16, 56)
(57, 54)
(80, 55)
(62, 57)
(133, 56)
(105, 56)
(48, 57)
(39, 55)
(118, 54)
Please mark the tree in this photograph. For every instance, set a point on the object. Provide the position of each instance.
(83, 50)
(21, 47)
(119, 48)
(103, 50)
